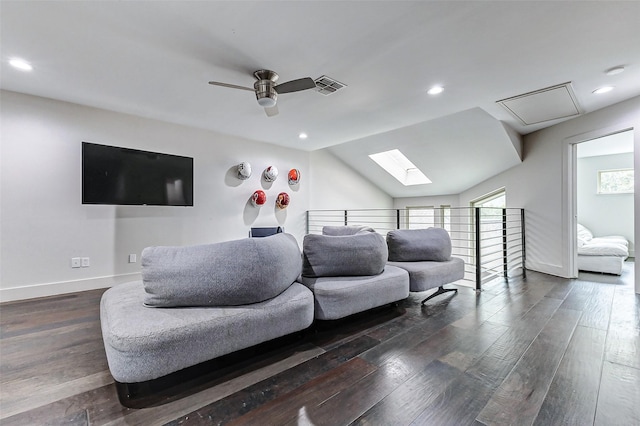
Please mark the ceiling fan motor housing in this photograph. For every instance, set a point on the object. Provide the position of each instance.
(266, 93)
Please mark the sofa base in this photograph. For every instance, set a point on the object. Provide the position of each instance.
(194, 379)
(441, 290)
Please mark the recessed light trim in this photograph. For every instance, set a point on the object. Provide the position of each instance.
(603, 89)
(615, 70)
(20, 64)
(303, 135)
(435, 90)
(400, 167)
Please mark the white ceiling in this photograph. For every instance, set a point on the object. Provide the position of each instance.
(618, 143)
(154, 59)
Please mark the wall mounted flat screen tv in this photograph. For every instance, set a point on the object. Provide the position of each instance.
(123, 176)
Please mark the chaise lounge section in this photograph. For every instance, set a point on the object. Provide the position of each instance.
(198, 303)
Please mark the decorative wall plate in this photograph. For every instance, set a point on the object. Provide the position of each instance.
(294, 176)
(244, 170)
(258, 198)
(270, 173)
(283, 200)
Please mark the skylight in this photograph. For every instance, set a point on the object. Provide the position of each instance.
(399, 166)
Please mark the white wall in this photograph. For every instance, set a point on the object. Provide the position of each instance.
(604, 214)
(335, 185)
(44, 224)
(540, 183)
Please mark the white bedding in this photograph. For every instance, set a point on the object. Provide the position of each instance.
(601, 254)
(604, 248)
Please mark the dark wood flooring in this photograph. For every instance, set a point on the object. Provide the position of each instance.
(541, 351)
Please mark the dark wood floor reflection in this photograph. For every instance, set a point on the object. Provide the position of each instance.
(542, 351)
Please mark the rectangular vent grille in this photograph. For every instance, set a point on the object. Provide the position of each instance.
(327, 85)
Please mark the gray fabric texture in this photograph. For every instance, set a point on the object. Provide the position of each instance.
(146, 343)
(412, 245)
(345, 230)
(425, 275)
(230, 273)
(349, 255)
(338, 297)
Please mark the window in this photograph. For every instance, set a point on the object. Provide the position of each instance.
(615, 181)
(420, 217)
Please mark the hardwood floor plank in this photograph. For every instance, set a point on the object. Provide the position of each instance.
(623, 347)
(407, 401)
(573, 394)
(597, 308)
(287, 407)
(458, 404)
(422, 331)
(626, 309)
(519, 398)
(240, 403)
(619, 396)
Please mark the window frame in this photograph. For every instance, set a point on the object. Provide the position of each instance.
(599, 190)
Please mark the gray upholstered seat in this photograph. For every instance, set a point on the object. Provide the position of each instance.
(346, 271)
(145, 343)
(426, 255)
(338, 297)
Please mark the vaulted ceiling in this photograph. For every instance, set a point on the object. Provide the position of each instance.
(154, 59)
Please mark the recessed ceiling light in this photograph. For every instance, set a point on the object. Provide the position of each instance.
(615, 70)
(435, 90)
(21, 64)
(603, 89)
(303, 135)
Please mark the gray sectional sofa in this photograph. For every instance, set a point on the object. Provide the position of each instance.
(199, 303)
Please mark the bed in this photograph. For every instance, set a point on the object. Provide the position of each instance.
(601, 254)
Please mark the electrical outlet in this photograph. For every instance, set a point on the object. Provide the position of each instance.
(133, 258)
(85, 262)
(75, 262)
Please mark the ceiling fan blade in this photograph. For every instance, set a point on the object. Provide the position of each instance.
(271, 111)
(231, 86)
(296, 85)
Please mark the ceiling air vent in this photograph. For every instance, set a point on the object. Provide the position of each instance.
(542, 105)
(327, 85)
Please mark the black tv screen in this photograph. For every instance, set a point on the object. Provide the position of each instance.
(123, 176)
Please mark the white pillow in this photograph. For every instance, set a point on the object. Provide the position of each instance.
(584, 234)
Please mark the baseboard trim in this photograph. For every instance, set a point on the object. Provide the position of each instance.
(53, 289)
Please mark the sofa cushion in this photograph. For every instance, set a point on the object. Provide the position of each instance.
(345, 230)
(230, 273)
(349, 255)
(145, 343)
(338, 297)
(413, 245)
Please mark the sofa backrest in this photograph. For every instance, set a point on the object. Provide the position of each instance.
(415, 245)
(230, 273)
(347, 255)
(345, 230)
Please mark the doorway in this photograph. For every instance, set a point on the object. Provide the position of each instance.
(603, 193)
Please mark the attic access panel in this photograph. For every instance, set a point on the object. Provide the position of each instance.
(547, 104)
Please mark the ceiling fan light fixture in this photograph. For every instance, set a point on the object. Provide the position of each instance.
(267, 102)
(265, 93)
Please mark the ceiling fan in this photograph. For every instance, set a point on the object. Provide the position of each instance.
(267, 90)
